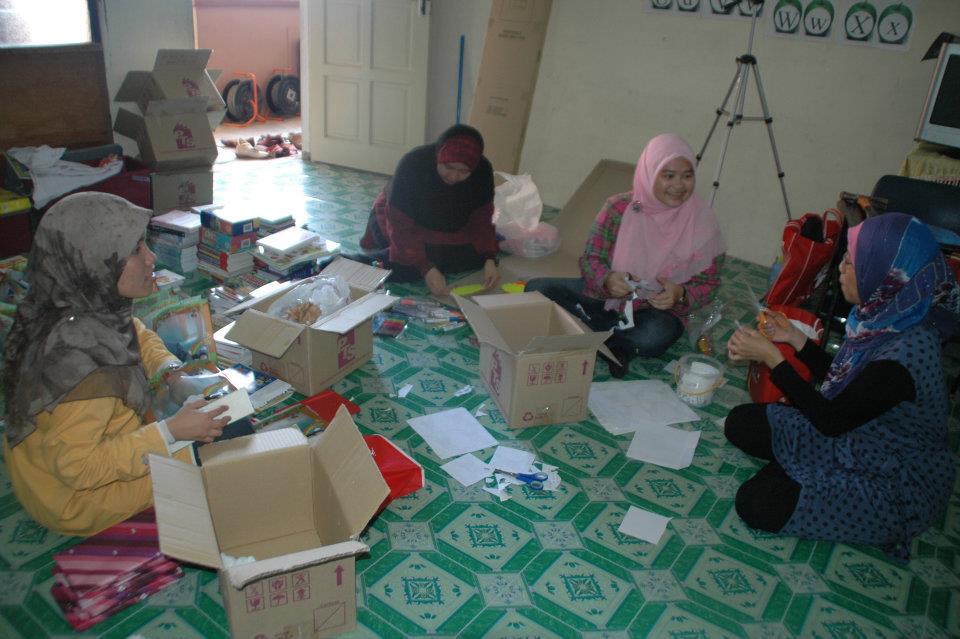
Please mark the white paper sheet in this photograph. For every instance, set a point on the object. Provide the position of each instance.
(268, 393)
(512, 460)
(479, 412)
(468, 469)
(644, 525)
(664, 445)
(463, 391)
(452, 432)
(237, 403)
(623, 407)
(406, 388)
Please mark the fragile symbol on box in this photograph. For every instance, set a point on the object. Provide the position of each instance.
(278, 584)
(301, 593)
(533, 375)
(255, 603)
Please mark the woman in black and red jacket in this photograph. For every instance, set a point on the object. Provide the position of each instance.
(435, 215)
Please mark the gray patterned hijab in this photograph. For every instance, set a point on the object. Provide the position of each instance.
(73, 336)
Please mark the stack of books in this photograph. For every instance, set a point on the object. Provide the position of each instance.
(229, 352)
(174, 237)
(274, 221)
(110, 571)
(291, 254)
(226, 241)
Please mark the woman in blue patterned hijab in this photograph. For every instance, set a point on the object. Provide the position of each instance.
(865, 458)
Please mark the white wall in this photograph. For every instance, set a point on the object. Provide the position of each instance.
(132, 31)
(612, 76)
(449, 19)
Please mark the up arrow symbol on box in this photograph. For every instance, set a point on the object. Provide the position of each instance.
(339, 571)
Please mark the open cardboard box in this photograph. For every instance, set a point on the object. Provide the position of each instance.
(536, 358)
(172, 135)
(177, 73)
(313, 357)
(297, 505)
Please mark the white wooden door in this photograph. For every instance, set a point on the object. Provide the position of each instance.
(363, 80)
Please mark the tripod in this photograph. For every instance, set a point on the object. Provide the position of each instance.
(738, 86)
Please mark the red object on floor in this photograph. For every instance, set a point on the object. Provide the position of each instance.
(761, 386)
(402, 474)
(326, 403)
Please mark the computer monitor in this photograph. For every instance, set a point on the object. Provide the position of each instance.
(940, 120)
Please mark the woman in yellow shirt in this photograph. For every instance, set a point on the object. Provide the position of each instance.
(76, 369)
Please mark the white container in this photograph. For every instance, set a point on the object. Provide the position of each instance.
(697, 377)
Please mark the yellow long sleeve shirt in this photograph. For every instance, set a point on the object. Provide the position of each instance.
(84, 468)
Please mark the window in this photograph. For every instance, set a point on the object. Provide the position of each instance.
(26, 23)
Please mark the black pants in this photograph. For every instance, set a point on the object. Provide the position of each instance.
(767, 500)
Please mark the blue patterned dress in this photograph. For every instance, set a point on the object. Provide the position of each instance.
(883, 482)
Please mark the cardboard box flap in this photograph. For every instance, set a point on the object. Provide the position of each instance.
(358, 275)
(272, 289)
(184, 525)
(559, 343)
(346, 475)
(177, 106)
(244, 574)
(354, 313)
(229, 450)
(169, 59)
(128, 124)
(481, 324)
(265, 333)
(138, 86)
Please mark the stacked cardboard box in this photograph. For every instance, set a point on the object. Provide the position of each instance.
(177, 108)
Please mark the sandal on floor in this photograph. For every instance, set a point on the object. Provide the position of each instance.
(250, 152)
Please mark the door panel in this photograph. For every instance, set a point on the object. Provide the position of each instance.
(365, 79)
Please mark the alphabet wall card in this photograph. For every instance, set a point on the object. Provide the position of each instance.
(710, 8)
(885, 24)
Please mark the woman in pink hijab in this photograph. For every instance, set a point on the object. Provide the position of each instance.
(653, 256)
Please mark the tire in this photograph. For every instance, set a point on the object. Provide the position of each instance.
(283, 95)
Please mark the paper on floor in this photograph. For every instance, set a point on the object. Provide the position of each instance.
(623, 407)
(664, 445)
(468, 469)
(402, 391)
(644, 525)
(512, 460)
(463, 391)
(452, 432)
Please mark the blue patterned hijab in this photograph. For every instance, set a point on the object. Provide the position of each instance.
(903, 281)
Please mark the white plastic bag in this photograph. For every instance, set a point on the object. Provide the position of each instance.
(517, 202)
(540, 241)
(309, 301)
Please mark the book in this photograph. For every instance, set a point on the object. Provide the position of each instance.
(226, 242)
(223, 220)
(287, 241)
(11, 202)
(168, 279)
(227, 261)
(183, 222)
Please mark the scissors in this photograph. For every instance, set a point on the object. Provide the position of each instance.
(533, 480)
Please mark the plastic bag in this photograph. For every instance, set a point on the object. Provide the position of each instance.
(700, 327)
(311, 300)
(516, 202)
(542, 240)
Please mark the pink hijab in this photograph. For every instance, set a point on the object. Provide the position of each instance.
(657, 240)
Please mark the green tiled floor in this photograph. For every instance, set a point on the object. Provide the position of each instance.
(452, 561)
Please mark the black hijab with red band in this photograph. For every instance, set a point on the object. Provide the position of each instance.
(417, 190)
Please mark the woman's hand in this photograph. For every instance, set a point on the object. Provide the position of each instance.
(616, 284)
(436, 282)
(778, 328)
(667, 298)
(192, 424)
(750, 344)
(490, 274)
